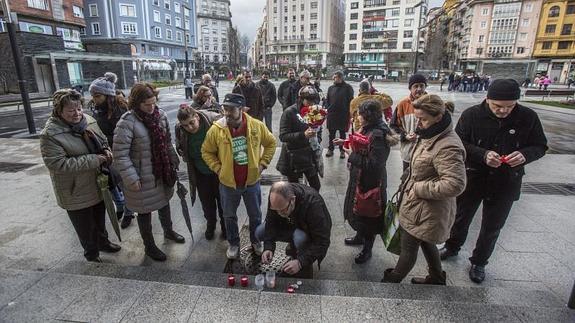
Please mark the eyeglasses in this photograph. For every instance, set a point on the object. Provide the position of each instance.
(285, 210)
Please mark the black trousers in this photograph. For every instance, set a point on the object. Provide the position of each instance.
(405, 165)
(209, 193)
(332, 132)
(313, 180)
(409, 249)
(90, 226)
(495, 213)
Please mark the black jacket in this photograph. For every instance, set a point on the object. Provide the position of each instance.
(292, 135)
(480, 131)
(107, 125)
(309, 215)
(339, 97)
(254, 99)
(284, 93)
(293, 94)
(269, 95)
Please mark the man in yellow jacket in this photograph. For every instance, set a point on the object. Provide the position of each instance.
(233, 150)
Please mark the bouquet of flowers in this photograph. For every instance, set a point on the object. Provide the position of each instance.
(314, 116)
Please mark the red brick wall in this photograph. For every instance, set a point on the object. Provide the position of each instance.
(69, 12)
(21, 7)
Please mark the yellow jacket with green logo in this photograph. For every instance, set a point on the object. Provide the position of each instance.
(217, 150)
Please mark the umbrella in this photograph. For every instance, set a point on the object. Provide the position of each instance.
(182, 191)
(103, 185)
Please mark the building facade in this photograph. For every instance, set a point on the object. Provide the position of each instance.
(304, 34)
(158, 33)
(381, 37)
(555, 43)
(259, 56)
(214, 21)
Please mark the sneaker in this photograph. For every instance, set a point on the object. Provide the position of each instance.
(258, 248)
(126, 221)
(329, 153)
(445, 253)
(233, 252)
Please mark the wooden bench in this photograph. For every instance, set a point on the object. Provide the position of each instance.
(550, 93)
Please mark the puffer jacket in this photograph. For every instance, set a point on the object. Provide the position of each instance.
(207, 118)
(133, 160)
(73, 169)
(436, 178)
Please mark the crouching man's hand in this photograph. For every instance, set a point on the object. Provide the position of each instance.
(292, 267)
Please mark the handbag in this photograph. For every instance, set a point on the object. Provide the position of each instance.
(301, 160)
(367, 204)
(391, 234)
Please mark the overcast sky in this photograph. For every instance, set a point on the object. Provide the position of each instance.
(247, 15)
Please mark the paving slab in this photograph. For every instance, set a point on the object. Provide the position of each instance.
(225, 305)
(15, 282)
(346, 309)
(282, 307)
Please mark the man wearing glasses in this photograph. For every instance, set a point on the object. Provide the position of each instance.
(500, 137)
(297, 214)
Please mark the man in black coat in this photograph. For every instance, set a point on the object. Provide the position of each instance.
(500, 138)
(253, 95)
(297, 214)
(339, 96)
(269, 95)
(304, 80)
(284, 90)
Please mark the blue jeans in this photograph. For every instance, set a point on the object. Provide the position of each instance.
(297, 236)
(118, 197)
(230, 198)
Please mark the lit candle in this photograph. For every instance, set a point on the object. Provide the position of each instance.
(231, 280)
(290, 290)
(244, 281)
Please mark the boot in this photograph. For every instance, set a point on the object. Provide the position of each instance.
(390, 277)
(428, 280)
(126, 221)
(365, 254)
(355, 241)
(477, 273)
(210, 228)
(166, 221)
(145, 226)
(445, 253)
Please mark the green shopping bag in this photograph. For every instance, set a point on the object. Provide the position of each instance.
(391, 232)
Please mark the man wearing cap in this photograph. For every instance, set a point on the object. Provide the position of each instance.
(500, 137)
(404, 121)
(233, 150)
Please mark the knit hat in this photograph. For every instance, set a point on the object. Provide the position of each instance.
(504, 89)
(417, 78)
(364, 86)
(105, 85)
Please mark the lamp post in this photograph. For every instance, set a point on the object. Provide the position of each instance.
(417, 37)
(186, 32)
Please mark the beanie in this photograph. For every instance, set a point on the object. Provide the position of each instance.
(105, 85)
(417, 78)
(504, 89)
(364, 86)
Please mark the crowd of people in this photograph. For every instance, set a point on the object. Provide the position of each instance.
(448, 169)
(468, 82)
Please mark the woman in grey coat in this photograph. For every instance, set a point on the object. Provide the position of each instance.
(147, 161)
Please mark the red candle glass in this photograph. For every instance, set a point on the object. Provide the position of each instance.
(231, 280)
(290, 290)
(244, 281)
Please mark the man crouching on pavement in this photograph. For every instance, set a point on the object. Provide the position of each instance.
(297, 214)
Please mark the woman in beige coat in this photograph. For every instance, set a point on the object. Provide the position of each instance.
(436, 178)
(74, 150)
(147, 161)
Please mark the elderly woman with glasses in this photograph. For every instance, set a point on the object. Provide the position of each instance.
(204, 100)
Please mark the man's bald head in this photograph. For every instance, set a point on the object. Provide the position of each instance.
(282, 198)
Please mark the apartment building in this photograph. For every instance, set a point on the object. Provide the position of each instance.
(382, 36)
(214, 21)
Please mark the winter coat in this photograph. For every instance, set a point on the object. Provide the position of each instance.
(309, 215)
(292, 134)
(294, 93)
(480, 131)
(73, 169)
(436, 178)
(384, 99)
(368, 171)
(339, 97)
(254, 99)
(107, 125)
(269, 94)
(207, 118)
(213, 89)
(133, 160)
(404, 122)
(217, 150)
(284, 93)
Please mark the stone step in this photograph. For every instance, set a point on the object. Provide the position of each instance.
(29, 296)
(404, 291)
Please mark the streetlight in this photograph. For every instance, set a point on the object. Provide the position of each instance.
(419, 4)
(187, 31)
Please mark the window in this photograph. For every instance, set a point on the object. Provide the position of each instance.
(157, 16)
(520, 50)
(352, 36)
(571, 9)
(293, 28)
(354, 5)
(484, 12)
(177, 7)
(395, 12)
(129, 28)
(481, 38)
(523, 36)
(409, 11)
(127, 10)
(285, 29)
(483, 24)
(353, 16)
(95, 28)
(564, 45)
(407, 45)
(395, 23)
(78, 11)
(547, 45)
(168, 34)
(407, 22)
(353, 26)
(179, 36)
(38, 4)
(408, 34)
(528, 7)
(479, 51)
(554, 11)
(156, 3)
(566, 30)
(158, 32)
(82, 31)
(313, 16)
(168, 19)
(525, 22)
(396, 2)
(313, 36)
(352, 47)
(178, 22)
(285, 18)
(93, 9)
(313, 5)
(550, 29)
(167, 4)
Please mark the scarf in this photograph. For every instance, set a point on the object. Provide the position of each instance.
(436, 128)
(161, 163)
(95, 144)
